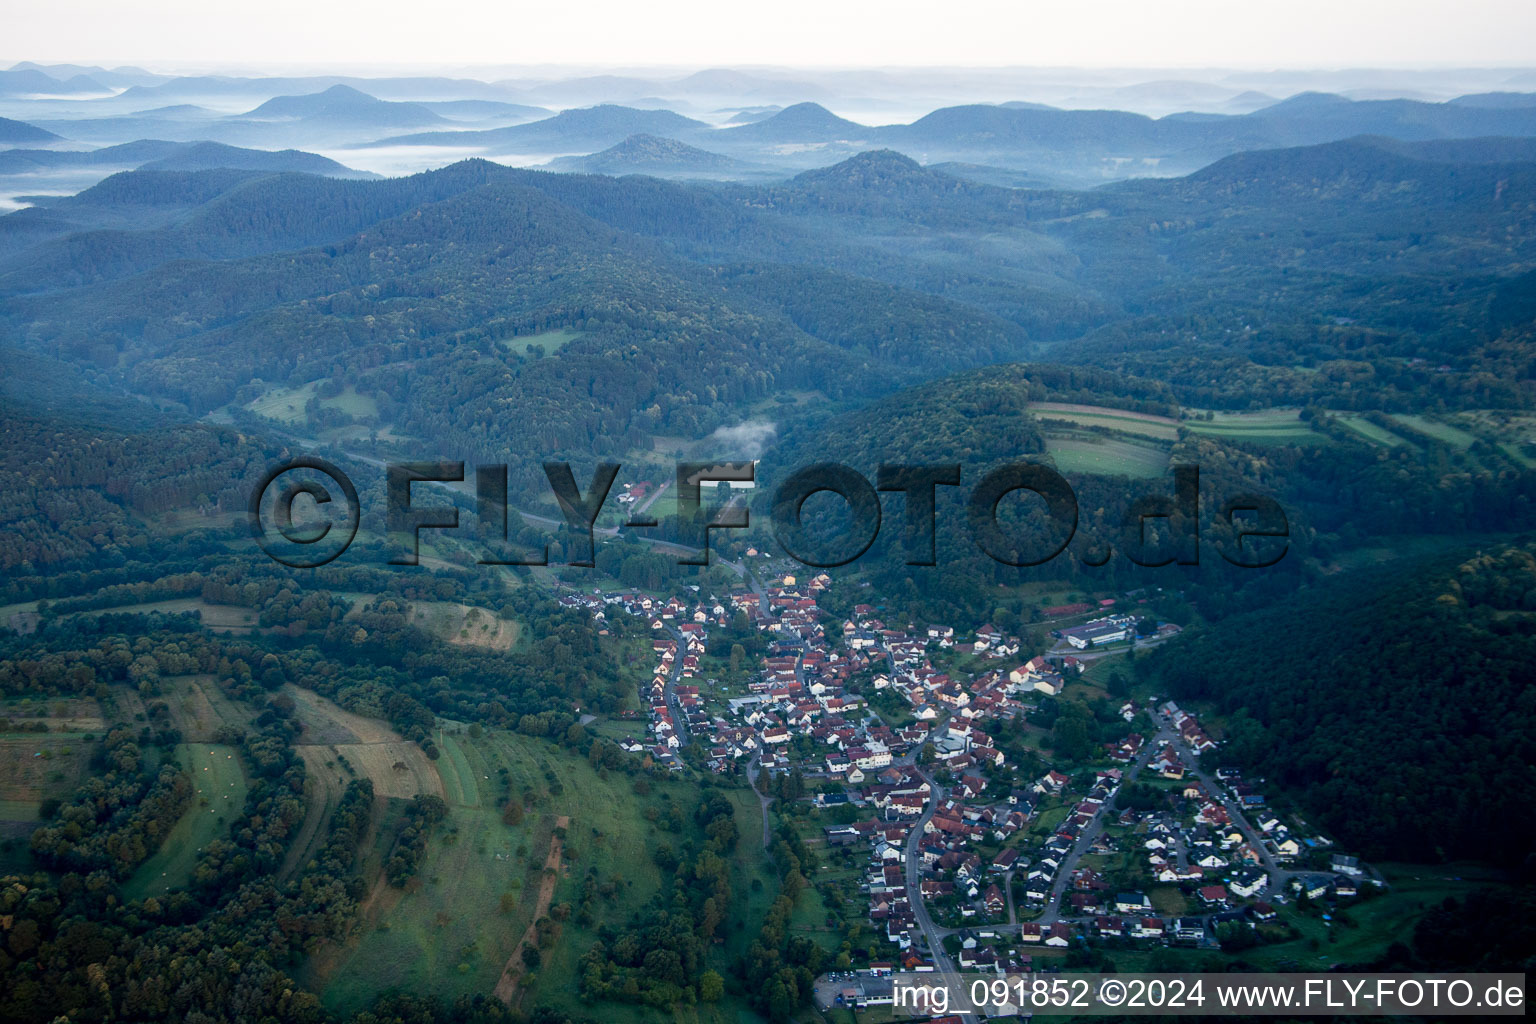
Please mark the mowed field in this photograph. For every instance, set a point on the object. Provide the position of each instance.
(1104, 456)
(339, 745)
(549, 341)
(200, 709)
(1160, 428)
(219, 784)
(465, 624)
(36, 766)
(286, 405)
(1277, 426)
(58, 714)
(1440, 431)
(451, 932)
(1371, 432)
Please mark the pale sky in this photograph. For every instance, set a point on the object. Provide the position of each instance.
(201, 34)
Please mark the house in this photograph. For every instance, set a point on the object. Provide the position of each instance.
(1132, 903)
(1313, 887)
(1059, 935)
(1213, 894)
(1052, 782)
(841, 835)
(1189, 929)
(1346, 865)
(1248, 882)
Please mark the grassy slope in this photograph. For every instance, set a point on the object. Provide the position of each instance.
(220, 785)
(447, 934)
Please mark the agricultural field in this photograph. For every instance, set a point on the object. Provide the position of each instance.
(199, 708)
(220, 618)
(465, 625)
(219, 788)
(1371, 432)
(549, 341)
(286, 405)
(1277, 426)
(1437, 429)
(36, 766)
(337, 746)
(1159, 428)
(33, 768)
(456, 928)
(366, 746)
(1513, 432)
(1086, 453)
(57, 714)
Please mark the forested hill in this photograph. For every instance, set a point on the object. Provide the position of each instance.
(1304, 277)
(19, 132)
(408, 288)
(1400, 706)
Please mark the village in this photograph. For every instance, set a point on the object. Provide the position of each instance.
(974, 850)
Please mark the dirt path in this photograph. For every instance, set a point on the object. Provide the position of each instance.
(511, 974)
(334, 737)
(323, 788)
(762, 798)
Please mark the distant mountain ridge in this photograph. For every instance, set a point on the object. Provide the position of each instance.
(342, 103)
(21, 131)
(155, 154)
(585, 127)
(27, 81)
(1073, 146)
(803, 122)
(652, 154)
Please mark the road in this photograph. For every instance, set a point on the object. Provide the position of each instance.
(1278, 876)
(932, 934)
(641, 509)
(670, 692)
(1091, 832)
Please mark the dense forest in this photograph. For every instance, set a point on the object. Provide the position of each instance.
(1398, 704)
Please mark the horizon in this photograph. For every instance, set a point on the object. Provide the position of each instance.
(973, 34)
